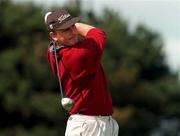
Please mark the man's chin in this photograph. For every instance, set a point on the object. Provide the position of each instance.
(74, 41)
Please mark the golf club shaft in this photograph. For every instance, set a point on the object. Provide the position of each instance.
(57, 69)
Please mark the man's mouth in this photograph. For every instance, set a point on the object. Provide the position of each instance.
(72, 38)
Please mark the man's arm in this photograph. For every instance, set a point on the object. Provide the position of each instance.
(83, 28)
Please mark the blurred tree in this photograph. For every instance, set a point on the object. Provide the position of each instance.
(29, 100)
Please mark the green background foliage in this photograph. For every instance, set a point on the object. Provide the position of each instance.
(145, 92)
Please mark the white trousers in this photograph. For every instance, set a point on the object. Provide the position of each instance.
(82, 125)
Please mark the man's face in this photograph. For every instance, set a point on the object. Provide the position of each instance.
(67, 36)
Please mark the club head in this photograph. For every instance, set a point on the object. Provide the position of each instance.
(67, 103)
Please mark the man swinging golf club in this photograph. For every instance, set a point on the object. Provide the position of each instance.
(77, 65)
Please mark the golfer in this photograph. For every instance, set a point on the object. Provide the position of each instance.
(81, 74)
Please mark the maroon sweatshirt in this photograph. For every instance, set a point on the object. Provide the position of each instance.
(82, 75)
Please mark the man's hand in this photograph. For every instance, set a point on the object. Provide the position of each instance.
(83, 28)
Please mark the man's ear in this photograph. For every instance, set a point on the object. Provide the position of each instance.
(53, 36)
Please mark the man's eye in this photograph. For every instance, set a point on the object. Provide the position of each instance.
(65, 30)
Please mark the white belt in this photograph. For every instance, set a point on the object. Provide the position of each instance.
(86, 117)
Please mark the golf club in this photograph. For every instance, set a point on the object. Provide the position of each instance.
(66, 103)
